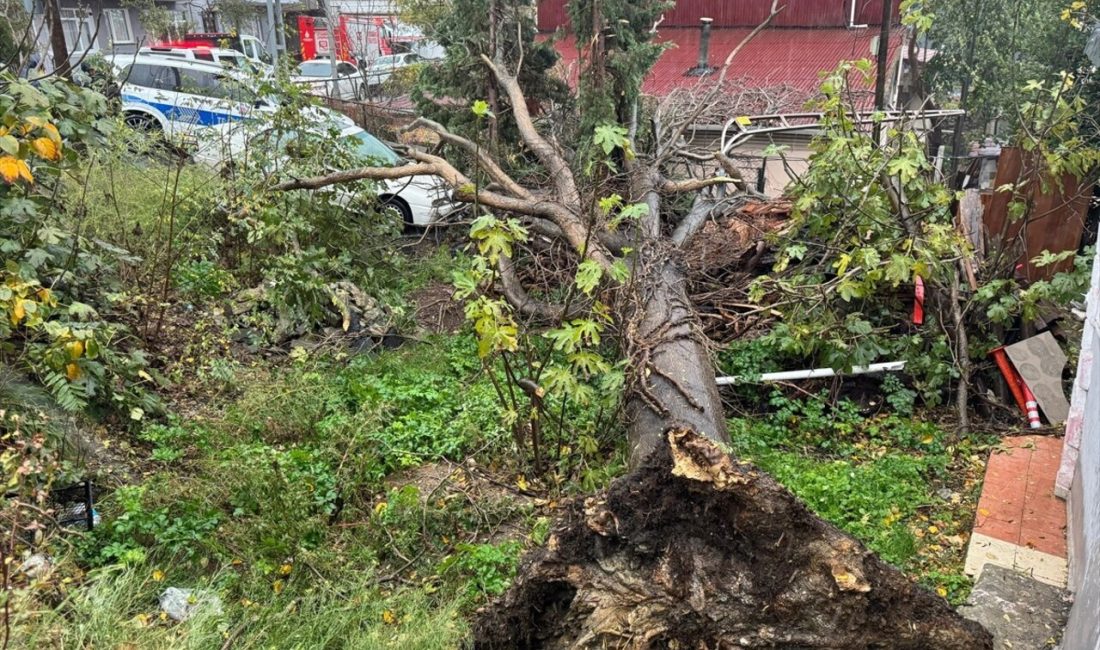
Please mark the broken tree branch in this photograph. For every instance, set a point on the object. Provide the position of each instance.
(483, 159)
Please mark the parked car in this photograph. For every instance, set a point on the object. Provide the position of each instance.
(176, 96)
(382, 68)
(219, 55)
(418, 200)
(316, 75)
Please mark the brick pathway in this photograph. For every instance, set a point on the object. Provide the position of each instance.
(1020, 524)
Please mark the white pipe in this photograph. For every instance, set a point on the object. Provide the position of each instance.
(852, 17)
(815, 373)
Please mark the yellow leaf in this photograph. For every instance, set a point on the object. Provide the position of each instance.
(521, 483)
(942, 592)
(933, 529)
(983, 512)
(380, 507)
(46, 148)
(158, 575)
(75, 349)
(17, 312)
(389, 618)
(52, 134)
(277, 586)
(12, 169)
(72, 371)
(743, 120)
(285, 570)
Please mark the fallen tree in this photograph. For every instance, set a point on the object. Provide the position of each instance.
(717, 554)
(698, 550)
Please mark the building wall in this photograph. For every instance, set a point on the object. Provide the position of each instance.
(747, 13)
(1080, 476)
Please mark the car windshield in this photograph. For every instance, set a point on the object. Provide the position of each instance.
(315, 69)
(368, 146)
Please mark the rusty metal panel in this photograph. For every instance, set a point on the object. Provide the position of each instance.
(1054, 223)
(552, 14)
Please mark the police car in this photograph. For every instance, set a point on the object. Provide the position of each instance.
(176, 97)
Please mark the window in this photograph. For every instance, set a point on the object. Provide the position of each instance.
(177, 24)
(77, 26)
(345, 69)
(150, 76)
(200, 82)
(118, 25)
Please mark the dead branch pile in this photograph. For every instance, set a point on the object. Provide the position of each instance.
(722, 259)
(697, 550)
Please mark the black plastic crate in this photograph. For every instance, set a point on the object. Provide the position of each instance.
(75, 506)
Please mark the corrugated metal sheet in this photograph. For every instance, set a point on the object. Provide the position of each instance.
(776, 57)
(745, 13)
(552, 15)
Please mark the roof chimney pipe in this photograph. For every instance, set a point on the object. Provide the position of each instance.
(702, 67)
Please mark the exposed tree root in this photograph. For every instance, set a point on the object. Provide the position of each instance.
(697, 550)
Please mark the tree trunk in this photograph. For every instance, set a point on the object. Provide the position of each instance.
(697, 550)
(57, 38)
(670, 379)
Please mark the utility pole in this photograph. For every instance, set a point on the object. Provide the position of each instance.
(272, 42)
(280, 31)
(57, 38)
(883, 61)
(332, 48)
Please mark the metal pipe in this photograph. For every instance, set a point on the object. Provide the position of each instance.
(704, 43)
(852, 17)
(813, 373)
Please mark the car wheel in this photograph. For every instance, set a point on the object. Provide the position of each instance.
(401, 207)
(142, 122)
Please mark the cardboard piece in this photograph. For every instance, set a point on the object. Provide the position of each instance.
(1040, 361)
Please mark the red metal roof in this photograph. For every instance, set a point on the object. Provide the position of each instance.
(794, 58)
(552, 14)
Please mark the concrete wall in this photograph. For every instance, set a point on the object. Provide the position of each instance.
(1079, 480)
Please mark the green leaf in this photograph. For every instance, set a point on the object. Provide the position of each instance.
(9, 145)
(589, 273)
(480, 108)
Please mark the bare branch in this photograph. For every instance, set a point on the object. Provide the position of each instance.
(694, 219)
(519, 298)
(543, 149)
(484, 160)
(694, 184)
(669, 144)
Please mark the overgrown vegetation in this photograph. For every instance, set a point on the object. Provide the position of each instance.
(212, 345)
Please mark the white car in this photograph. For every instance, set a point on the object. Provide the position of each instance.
(381, 69)
(177, 97)
(419, 200)
(316, 76)
(221, 56)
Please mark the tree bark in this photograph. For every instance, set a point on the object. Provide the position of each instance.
(697, 550)
(670, 381)
(57, 39)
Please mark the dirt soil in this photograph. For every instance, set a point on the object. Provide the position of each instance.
(698, 550)
(436, 310)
